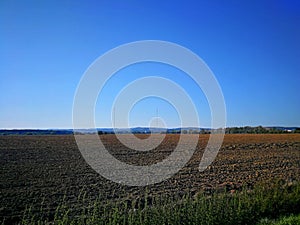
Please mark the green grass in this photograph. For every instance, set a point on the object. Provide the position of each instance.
(242, 207)
(287, 220)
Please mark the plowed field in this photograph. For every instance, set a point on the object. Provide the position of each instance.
(43, 171)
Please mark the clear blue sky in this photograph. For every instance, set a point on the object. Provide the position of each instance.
(253, 48)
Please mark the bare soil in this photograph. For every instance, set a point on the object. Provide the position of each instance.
(45, 170)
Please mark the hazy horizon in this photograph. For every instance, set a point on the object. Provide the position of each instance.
(54, 128)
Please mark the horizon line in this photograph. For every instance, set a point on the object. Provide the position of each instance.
(147, 127)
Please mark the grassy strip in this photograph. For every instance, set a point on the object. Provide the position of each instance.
(287, 220)
(241, 207)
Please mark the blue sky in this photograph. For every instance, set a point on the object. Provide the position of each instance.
(251, 46)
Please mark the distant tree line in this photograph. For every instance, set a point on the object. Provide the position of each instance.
(259, 130)
(35, 132)
(100, 132)
(229, 130)
(297, 130)
(239, 130)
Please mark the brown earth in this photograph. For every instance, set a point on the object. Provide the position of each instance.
(43, 171)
